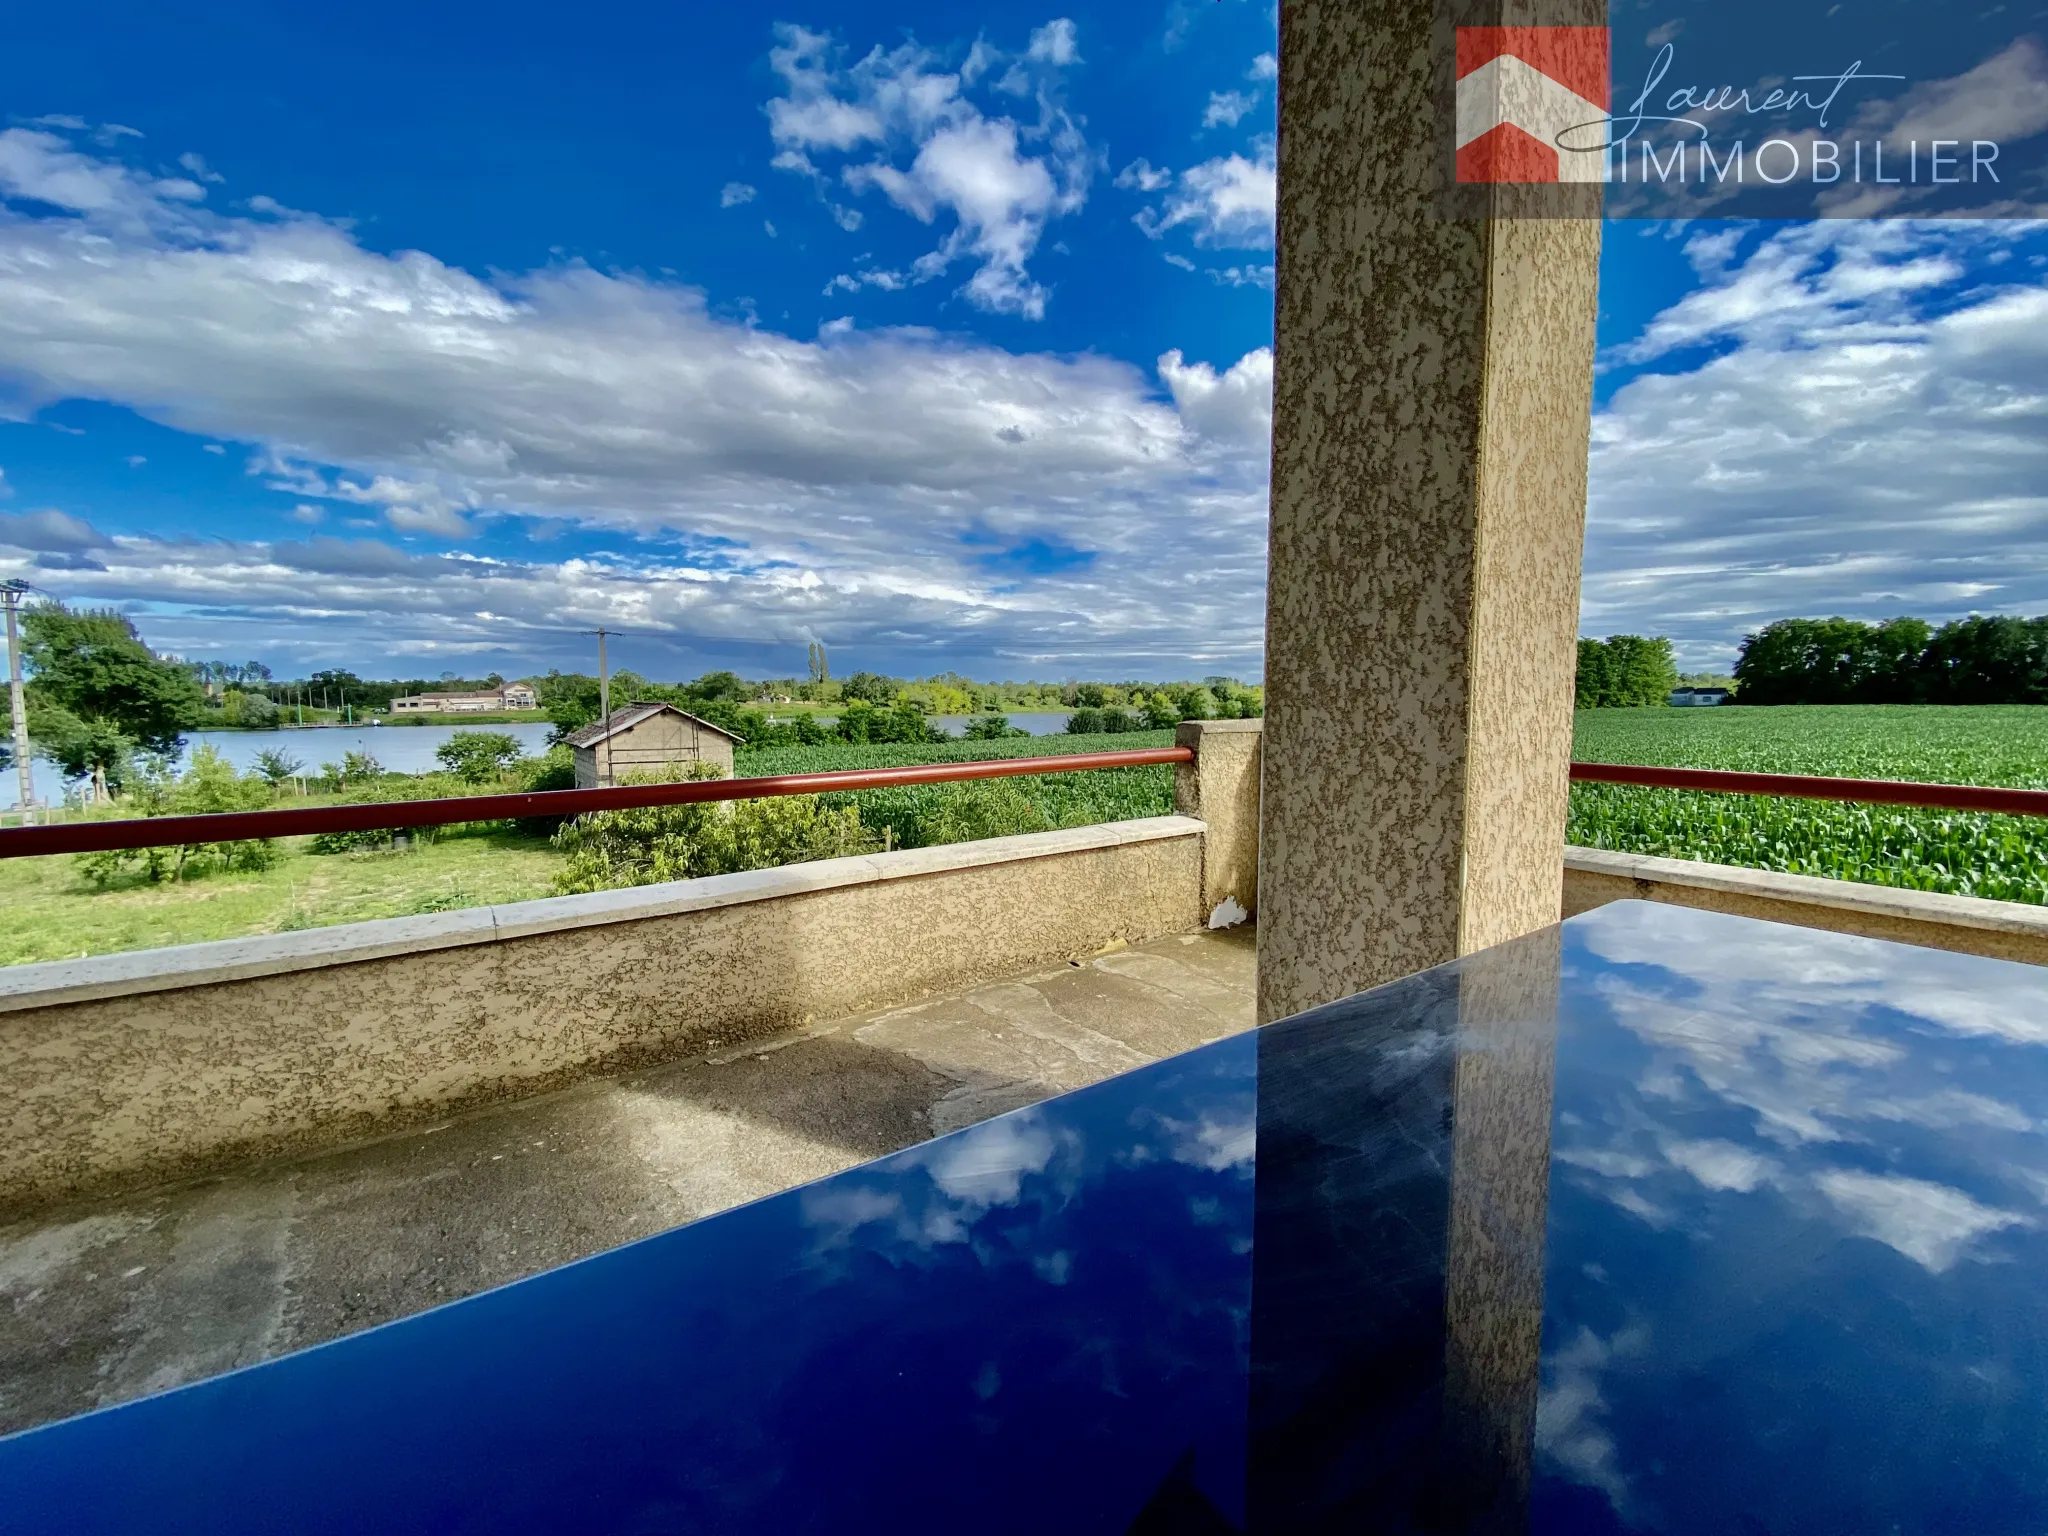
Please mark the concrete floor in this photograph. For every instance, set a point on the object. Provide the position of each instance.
(101, 1303)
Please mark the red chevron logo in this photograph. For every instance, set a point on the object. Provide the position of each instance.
(1519, 89)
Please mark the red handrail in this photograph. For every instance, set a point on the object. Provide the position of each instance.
(170, 831)
(232, 826)
(1942, 797)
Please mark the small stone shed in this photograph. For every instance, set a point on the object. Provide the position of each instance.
(653, 739)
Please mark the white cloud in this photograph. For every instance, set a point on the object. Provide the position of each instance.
(1930, 1224)
(861, 484)
(1055, 43)
(1243, 277)
(1235, 406)
(197, 165)
(439, 521)
(1227, 108)
(1143, 176)
(1265, 67)
(937, 154)
(734, 194)
(1230, 201)
(1865, 434)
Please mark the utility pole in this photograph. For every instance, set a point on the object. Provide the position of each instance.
(13, 592)
(604, 701)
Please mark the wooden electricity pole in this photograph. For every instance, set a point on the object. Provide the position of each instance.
(13, 592)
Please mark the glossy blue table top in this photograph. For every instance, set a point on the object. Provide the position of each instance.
(1660, 1221)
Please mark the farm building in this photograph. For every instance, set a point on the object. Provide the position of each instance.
(647, 738)
(1695, 697)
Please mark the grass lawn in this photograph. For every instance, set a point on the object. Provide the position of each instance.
(1963, 853)
(48, 913)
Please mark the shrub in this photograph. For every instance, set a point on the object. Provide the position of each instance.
(385, 791)
(274, 766)
(354, 769)
(610, 849)
(478, 757)
(991, 728)
(556, 769)
(210, 786)
(1085, 721)
(978, 809)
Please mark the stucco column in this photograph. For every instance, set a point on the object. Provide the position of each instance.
(1432, 396)
(1221, 786)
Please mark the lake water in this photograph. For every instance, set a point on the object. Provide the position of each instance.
(408, 748)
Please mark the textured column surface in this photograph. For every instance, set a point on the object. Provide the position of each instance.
(1432, 398)
(1221, 786)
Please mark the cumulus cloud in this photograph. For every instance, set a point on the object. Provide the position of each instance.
(992, 180)
(1843, 418)
(763, 487)
(1234, 406)
(1230, 201)
(734, 194)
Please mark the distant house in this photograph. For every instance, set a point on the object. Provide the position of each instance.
(1698, 696)
(493, 701)
(647, 738)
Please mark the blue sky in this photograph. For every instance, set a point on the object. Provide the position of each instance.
(420, 339)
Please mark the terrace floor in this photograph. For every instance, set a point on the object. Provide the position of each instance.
(104, 1302)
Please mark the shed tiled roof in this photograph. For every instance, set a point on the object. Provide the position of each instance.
(625, 719)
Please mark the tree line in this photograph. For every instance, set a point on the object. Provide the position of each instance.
(1996, 660)
(1625, 671)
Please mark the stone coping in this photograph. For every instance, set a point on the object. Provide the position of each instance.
(1811, 890)
(196, 965)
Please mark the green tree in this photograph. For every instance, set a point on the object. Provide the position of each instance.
(870, 687)
(720, 685)
(1996, 660)
(94, 665)
(354, 769)
(275, 766)
(477, 757)
(1624, 671)
(83, 749)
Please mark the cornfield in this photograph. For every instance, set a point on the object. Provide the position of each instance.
(2004, 858)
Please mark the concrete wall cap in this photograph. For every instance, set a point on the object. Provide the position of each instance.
(195, 965)
(1812, 890)
(1199, 728)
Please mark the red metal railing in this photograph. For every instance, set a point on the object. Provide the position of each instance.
(232, 826)
(170, 831)
(1942, 797)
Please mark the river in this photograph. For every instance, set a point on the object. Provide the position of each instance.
(408, 748)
